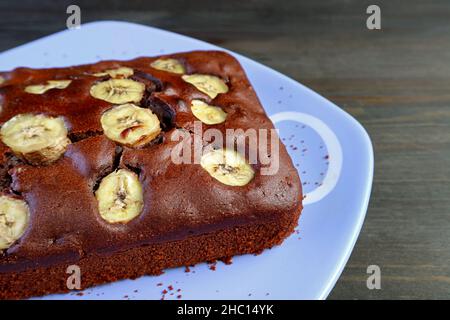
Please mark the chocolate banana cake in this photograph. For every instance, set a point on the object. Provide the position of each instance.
(126, 168)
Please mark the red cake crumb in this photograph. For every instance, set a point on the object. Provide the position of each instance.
(212, 266)
(227, 260)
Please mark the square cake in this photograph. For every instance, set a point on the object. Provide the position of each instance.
(127, 168)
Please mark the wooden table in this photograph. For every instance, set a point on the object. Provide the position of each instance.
(395, 81)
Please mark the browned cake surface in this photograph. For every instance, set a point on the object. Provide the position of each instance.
(188, 216)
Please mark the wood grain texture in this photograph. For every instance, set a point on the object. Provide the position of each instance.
(395, 81)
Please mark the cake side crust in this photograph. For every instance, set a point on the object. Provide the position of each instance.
(150, 260)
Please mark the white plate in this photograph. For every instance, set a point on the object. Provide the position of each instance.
(333, 152)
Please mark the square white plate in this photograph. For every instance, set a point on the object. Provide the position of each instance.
(331, 150)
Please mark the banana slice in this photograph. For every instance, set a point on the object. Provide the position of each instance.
(118, 91)
(14, 218)
(51, 84)
(38, 138)
(169, 65)
(211, 85)
(120, 196)
(227, 166)
(206, 113)
(130, 125)
(122, 72)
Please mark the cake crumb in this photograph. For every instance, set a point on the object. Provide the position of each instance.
(212, 266)
(227, 260)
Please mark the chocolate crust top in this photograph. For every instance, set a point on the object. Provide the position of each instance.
(180, 200)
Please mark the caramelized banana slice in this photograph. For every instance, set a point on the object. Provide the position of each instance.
(51, 84)
(211, 85)
(130, 125)
(122, 72)
(169, 65)
(228, 167)
(120, 196)
(14, 218)
(118, 91)
(37, 138)
(206, 113)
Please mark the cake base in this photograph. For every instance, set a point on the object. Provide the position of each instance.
(151, 259)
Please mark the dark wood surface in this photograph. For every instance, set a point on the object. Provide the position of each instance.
(395, 81)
